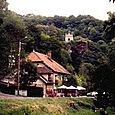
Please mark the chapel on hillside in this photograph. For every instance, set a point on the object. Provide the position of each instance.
(68, 37)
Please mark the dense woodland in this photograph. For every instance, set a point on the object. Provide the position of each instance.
(93, 68)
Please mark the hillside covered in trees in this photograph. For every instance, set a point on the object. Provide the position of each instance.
(85, 26)
(92, 67)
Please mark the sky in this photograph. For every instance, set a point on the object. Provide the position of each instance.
(96, 8)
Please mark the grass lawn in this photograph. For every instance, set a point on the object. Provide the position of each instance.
(47, 106)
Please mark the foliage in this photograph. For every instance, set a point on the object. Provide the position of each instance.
(21, 111)
(70, 80)
(109, 27)
(47, 34)
(4, 55)
(46, 31)
(70, 68)
(43, 43)
(82, 25)
(10, 27)
(3, 5)
(96, 54)
(47, 106)
(103, 79)
(28, 73)
(4, 45)
(14, 28)
(104, 75)
(65, 58)
(81, 81)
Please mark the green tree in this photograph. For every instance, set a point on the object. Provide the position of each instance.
(12, 31)
(70, 68)
(4, 44)
(3, 5)
(3, 10)
(109, 27)
(103, 79)
(104, 75)
(65, 57)
(29, 73)
(96, 53)
(81, 81)
(4, 48)
(111, 54)
(43, 42)
(70, 80)
(58, 25)
(14, 27)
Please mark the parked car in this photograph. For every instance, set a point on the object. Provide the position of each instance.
(93, 93)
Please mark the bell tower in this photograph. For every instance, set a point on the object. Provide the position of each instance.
(68, 37)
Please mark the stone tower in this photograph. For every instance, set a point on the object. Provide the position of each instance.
(68, 37)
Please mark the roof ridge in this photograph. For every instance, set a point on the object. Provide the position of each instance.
(37, 55)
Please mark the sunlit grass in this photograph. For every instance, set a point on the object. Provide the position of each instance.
(47, 106)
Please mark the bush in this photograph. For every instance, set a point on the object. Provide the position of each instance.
(25, 110)
(84, 104)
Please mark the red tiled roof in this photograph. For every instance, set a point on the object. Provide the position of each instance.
(38, 57)
(34, 57)
(44, 70)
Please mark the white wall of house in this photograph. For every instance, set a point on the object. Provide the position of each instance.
(40, 83)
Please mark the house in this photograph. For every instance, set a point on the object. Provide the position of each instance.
(49, 73)
(48, 70)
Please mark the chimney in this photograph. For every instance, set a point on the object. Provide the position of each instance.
(49, 54)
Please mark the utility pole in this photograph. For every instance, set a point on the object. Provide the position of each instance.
(19, 50)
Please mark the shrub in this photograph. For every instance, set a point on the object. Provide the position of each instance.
(25, 110)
